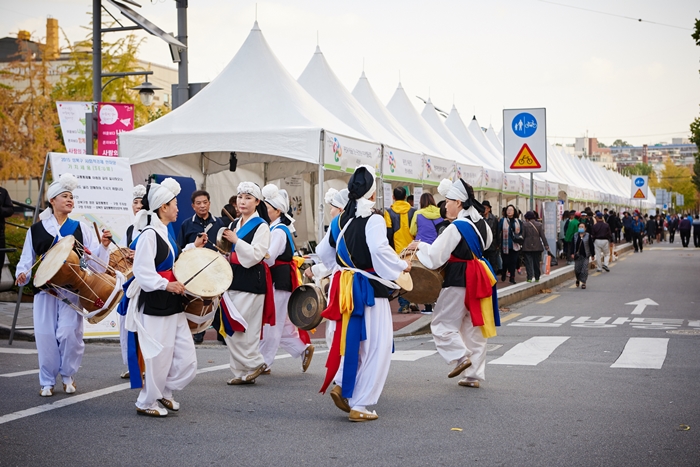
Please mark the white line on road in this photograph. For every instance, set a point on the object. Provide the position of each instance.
(410, 355)
(643, 352)
(18, 351)
(98, 393)
(19, 373)
(531, 352)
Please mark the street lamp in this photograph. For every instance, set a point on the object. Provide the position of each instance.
(146, 91)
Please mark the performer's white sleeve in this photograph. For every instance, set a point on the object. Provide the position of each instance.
(26, 260)
(251, 254)
(489, 238)
(98, 250)
(144, 265)
(326, 252)
(386, 262)
(320, 271)
(434, 255)
(278, 242)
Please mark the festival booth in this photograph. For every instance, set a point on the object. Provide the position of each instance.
(253, 114)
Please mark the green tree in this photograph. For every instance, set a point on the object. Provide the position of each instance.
(695, 125)
(678, 179)
(620, 143)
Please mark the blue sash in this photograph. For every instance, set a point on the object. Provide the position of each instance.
(472, 238)
(68, 228)
(289, 235)
(247, 228)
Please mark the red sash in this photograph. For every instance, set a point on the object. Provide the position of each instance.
(477, 286)
(167, 275)
(269, 305)
(303, 335)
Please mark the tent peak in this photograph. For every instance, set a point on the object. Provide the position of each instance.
(474, 117)
(362, 76)
(318, 50)
(255, 26)
(400, 86)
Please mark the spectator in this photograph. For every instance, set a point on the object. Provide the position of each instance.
(533, 246)
(398, 219)
(672, 227)
(583, 249)
(510, 237)
(659, 228)
(627, 225)
(411, 200)
(571, 230)
(606, 216)
(602, 237)
(424, 227)
(651, 229)
(696, 231)
(443, 213)
(684, 229)
(615, 226)
(6, 211)
(561, 238)
(491, 253)
(637, 229)
(229, 211)
(586, 220)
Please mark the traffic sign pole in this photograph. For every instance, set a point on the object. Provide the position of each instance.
(532, 195)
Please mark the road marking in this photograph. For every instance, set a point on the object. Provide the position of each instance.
(613, 265)
(18, 351)
(100, 392)
(509, 317)
(573, 286)
(623, 259)
(640, 305)
(19, 373)
(548, 299)
(595, 274)
(643, 352)
(410, 355)
(531, 352)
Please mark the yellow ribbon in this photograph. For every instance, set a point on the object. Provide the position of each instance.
(346, 304)
(489, 327)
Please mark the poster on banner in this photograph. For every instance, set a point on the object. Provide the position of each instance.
(112, 119)
(550, 210)
(298, 204)
(417, 193)
(471, 174)
(436, 169)
(71, 116)
(344, 154)
(103, 196)
(388, 194)
(524, 140)
(402, 166)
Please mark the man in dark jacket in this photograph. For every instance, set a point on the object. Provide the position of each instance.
(684, 227)
(7, 211)
(651, 229)
(601, 240)
(627, 225)
(491, 253)
(615, 225)
(672, 227)
(637, 229)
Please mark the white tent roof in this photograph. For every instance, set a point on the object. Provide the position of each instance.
(254, 107)
(322, 84)
(457, 127)
(431, 116)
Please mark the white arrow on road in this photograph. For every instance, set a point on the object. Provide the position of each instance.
(641, 305)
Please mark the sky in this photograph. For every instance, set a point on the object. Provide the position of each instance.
(597, 73)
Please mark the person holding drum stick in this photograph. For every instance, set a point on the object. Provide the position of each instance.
(285, 278)
(164, 337)
(357, 242)
(251, 291)
(58, 328)
(136, 205)
(466, 311)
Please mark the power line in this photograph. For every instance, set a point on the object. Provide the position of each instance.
(626, 136)
(640, 20)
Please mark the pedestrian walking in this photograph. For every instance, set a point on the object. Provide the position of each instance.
(684, 227)
(696, 231)
(601, 240)
(651, 229)
(615, 226)
(627, 226)
(583, 250)
(571, 229)
(534, 244)
(659, 228)
(561, 237)
(511, 239)
(672, 227)
(491, 253)
(637, 229)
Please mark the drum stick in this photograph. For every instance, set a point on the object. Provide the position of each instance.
(97, 231)
(200, 271)
(228, 214)
(220, 250)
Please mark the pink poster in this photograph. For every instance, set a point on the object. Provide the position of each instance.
(112, 119)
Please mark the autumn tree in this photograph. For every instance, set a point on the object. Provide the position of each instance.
(695, 125)
(620, 143)
(677, 179)
(28, 118)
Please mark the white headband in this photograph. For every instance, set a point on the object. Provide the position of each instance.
(371, 191)
(278, 199)
(163, 193)
(139, 191)
(453, 190)
(336, 198)
(66, 182)
(250, 188)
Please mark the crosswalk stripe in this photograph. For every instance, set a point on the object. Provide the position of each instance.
(643, 352)
(410, 355)
(531, 352)
(19, 373)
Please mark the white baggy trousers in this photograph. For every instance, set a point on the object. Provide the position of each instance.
(58, 330)
(375, 356)
(175, 366)
(283, 334)
(455, 336)
(244, 347)
(602, 253)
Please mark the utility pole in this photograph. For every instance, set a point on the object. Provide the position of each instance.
(183, 91)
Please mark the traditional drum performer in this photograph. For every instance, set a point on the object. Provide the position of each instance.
(466, 311)
(156, 305)
(251, 292)
(337, 201)
(58, 328)
(136, 205)
(359, 304)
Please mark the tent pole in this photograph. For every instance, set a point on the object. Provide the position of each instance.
(380, 187)
(319, 215)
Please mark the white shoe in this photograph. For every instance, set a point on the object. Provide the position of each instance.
(69, 386)
(170, 404)
(46, 391)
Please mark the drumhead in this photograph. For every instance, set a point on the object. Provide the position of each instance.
(212, 281)
(53, 260)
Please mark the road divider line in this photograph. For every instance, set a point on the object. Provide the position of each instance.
(643, 352)
(19, 373)
(510, 316)
(531, 352)
(548, 299)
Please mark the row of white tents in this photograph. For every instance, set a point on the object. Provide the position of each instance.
(315, 129)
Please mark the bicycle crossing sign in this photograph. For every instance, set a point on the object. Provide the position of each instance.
(524, 140)
(640, 187)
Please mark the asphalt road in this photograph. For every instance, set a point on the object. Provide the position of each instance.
(610, 388)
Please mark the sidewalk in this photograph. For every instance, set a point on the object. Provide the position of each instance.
(404, 324)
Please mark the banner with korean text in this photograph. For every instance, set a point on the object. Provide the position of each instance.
(112, 119)
(71, 115)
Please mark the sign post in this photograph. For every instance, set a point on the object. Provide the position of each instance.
(525, 143)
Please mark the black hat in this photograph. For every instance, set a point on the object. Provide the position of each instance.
(486, 203)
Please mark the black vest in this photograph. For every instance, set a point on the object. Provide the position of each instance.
(251, 280)
(42, 240)
(161, 302)
(356, 241)
(130, 235)
(282, 274)
(455, 272)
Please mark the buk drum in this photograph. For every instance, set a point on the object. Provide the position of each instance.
(305, 306)
(63, 274)
(427, 283)
(122, 260)
(206, 275)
